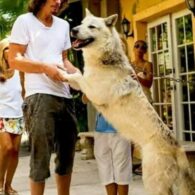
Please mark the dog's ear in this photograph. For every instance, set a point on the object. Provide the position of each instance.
(111, 20)
(87, 12)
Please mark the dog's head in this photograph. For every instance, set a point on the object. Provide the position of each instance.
(92, 30)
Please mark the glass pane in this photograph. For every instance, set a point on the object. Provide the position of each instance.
(161, 70)
(190, 55)
(161, 64)
(168, 84)
(180, 31)
(186, 117)
(159, 37)
(188, 28)
(154, 61)
(184, 92)
(164, 36)
(165, 114)
(191, 79)
(153, 35)
(193, 116)
(156, 94)
(161, 90)
(169, 120)
(187, 137)
(167, 97)
(167, 63)
(158, 110)
(182, 59)
(193, 137)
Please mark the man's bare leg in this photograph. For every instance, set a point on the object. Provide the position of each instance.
(37, 188)
(63, 184)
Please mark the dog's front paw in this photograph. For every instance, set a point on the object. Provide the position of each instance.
(70, 77)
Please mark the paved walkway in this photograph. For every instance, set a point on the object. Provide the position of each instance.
(85, 179)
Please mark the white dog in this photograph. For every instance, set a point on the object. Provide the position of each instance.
(108, 84)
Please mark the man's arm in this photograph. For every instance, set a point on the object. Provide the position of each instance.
(18, 61)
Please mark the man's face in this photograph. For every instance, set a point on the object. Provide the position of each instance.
(53, 6)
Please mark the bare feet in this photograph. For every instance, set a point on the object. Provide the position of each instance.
(10, 191)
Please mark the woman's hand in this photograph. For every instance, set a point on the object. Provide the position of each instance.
(134, 76)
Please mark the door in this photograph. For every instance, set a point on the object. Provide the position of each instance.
(160, 50)
(185, 71)
(171, 49)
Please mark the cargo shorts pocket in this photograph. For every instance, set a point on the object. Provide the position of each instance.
(29, 108)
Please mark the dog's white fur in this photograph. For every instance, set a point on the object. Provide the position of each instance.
(108, 84)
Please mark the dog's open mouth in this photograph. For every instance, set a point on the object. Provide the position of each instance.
(80, 43)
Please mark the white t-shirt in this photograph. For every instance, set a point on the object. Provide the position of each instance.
(44, 44)
(10, 97)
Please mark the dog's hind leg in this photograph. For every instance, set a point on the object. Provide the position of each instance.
(159, 172)
(154, 185)
(186, 182)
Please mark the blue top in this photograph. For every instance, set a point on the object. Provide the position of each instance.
(103, 126)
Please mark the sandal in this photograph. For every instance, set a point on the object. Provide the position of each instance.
(2, 191)
(138, 171)
(11, 192)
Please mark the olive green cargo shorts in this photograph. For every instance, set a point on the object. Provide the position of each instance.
(52, 127)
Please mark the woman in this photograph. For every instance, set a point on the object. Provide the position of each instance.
(144, 74)
(143, 68)
(11, 124)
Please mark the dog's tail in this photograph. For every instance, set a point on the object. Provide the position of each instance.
(186, 182)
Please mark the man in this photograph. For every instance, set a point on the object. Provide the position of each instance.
(38, 45)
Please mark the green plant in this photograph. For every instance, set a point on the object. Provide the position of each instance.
(9, 10)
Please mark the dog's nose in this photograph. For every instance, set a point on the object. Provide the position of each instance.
(74, 31)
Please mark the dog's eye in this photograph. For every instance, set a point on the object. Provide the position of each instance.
(91, 26)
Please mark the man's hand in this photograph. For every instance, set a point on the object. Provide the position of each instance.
(54, 73)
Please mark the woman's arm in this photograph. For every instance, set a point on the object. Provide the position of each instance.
(146, 79)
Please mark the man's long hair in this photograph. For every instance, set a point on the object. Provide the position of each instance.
(35, 6)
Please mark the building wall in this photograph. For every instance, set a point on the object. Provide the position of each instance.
(140, 12)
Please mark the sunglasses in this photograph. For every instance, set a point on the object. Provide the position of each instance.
(142, 47)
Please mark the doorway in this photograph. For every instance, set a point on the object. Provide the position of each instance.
(171, 49)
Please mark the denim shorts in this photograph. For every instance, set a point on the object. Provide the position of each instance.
(52, 127)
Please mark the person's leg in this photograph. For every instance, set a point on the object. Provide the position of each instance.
(65, 140)
(123, 189)
(111, 189)
(103, 156)
(37, 188)
(137, 169)
(122, 163)
(13, 161)
(38, 116)
(63, 184)
(5, 148)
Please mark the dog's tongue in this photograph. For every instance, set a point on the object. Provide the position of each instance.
(76, 43)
